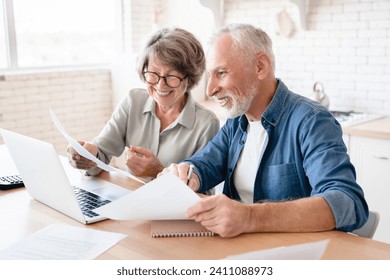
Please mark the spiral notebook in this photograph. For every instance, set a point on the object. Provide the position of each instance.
(178, 228)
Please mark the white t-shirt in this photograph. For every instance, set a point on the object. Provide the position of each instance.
(249, 160)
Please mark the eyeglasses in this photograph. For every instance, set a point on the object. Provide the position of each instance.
(171, 80)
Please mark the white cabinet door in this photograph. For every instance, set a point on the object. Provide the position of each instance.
(371, 158)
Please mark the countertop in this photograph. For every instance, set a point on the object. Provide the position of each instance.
(379, 128)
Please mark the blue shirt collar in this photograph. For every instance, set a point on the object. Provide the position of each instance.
(274, 110)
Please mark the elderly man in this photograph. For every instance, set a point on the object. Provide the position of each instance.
(281, 155)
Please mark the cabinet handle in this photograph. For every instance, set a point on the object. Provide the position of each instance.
(381, 157)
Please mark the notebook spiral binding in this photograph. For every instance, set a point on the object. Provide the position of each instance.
(183, 234)
(178, 228)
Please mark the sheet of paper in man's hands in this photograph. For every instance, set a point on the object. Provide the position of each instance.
(165, 198)
(83, 152)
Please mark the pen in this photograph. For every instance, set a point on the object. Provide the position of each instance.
(190, 171)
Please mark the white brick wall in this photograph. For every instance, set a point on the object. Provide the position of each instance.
(81, 99)
(346, 46)
(139, 17)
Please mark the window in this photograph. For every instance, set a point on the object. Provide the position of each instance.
(64, 32)
(3, 45)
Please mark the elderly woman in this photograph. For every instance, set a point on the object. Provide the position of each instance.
(162, 124)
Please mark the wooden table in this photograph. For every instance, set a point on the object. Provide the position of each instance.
(21, 215)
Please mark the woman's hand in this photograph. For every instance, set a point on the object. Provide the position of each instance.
(78, 161)
(142, 162)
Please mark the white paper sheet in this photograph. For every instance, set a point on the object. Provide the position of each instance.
(83, 152)
(306, 251)
(165, 198)
(62, 242)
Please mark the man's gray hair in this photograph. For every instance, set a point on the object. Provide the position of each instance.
(177, 48)
(248, 41)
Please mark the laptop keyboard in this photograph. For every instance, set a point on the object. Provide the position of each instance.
(89, 201)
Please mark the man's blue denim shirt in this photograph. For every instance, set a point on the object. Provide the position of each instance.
(304, 156)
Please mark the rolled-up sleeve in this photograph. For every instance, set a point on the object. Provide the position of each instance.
(330, 172)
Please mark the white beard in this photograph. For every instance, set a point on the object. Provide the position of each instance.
(240, 105)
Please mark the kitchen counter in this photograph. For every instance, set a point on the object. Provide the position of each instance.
(375, 128)
(379, 128)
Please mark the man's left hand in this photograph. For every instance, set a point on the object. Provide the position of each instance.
(221, 215)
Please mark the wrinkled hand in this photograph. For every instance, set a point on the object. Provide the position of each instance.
(142, 162)
(181, 171)
(78, 161)
(221, 215)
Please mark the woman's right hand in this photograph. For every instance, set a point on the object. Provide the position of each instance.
(78, 161)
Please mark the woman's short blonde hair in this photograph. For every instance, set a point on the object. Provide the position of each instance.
(177, 48)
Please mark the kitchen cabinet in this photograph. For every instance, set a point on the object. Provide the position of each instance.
(369, 149)
(371, 157)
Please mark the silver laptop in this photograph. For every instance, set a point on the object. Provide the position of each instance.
(46, 179)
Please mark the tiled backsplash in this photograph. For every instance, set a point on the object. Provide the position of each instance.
(346, 46)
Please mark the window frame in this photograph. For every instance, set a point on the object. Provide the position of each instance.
(10, 35)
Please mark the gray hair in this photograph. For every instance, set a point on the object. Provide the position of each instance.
(248, 41)
(178, 48)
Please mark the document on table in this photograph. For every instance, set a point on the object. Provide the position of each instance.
(165, 198)
(306, 251)
(83, 152)
(62, 242)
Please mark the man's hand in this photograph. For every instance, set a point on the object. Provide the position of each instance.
(221, 215)
(181, 170)
(78, 161)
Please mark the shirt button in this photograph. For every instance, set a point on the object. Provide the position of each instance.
(242, 142)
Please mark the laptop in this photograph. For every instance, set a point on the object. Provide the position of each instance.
(48, 181)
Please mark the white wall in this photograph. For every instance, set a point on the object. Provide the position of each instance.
(138, 21)
(346, 46)
(81, 99)
(194, 17)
